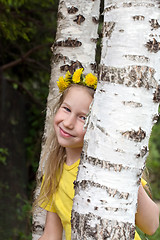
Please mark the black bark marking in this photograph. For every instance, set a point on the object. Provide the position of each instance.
(139, 176)
(95, 20)
(103, 229)
(136, 136)
(94, 67)
(102, 90)
(132, 104)
(143, 152)
(91, 126)
(153, 46)
(60, 15)
(108, 28)
(85, 146)
(37, 227)
(72, 10)
(68, 43)
(65, 68)
(94, 40)
(156, 96)
(129, 4)
(156, 118)
(85, 184)
(137, 58)
(103, 163)
(119, 150)
(101, 128)
(58, 57)
(134, 4)
(108, 9)
(154, 24)
(131, 76)
(138, 18)
(79, 19)
(72, 67)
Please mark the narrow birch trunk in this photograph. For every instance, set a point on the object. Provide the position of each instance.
(74, 47)
(124, 111)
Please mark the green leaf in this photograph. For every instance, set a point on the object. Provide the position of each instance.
(3, 155)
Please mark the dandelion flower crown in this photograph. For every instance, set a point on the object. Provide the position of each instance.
(78, 77)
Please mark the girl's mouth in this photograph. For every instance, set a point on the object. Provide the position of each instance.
(64, 133)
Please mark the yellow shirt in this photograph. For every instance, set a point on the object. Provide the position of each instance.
(63, 198)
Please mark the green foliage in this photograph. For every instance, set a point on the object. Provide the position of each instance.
(23, 214)
(153, 161)
(26, 26)
(3, 155)
(155, 236)
(20, 18)
(153, 166)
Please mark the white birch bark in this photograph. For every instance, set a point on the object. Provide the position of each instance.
(124, 110)
(74, 47)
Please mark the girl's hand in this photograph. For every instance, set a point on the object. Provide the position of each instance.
(53, 227)
(147, 216)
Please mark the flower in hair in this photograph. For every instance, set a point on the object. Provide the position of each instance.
(68, 76)
(77, 78)
(62, 84)
(91, 80)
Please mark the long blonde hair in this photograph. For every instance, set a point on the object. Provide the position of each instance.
(54, 161)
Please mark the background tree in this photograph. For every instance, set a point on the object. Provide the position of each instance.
(27, 30)
(75, 47)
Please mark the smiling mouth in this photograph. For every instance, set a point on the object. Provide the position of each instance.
(65, 134)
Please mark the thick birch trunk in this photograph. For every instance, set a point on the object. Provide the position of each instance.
(122, 116)
(74, 47)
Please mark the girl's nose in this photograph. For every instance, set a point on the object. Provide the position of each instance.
(69, 122)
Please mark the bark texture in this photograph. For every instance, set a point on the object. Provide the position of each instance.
(123, 113)
(74, 47)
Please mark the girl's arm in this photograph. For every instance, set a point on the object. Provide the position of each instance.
(147, 216)
(53, 227)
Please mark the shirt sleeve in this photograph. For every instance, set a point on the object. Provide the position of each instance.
(143, 182)
(48, 206)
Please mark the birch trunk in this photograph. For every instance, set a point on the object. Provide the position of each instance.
(74, 47)
(122, 116)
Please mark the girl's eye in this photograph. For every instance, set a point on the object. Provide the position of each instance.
(83, 118)
(67, 109)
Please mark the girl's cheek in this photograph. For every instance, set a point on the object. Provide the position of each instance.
(83, 131)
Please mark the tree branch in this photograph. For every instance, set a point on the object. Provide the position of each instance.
(30, 60)
(23, 58)
(20, 85)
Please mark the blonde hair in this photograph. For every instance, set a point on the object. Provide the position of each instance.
(53, 162)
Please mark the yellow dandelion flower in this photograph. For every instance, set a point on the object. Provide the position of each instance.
(91, 80)
(68, 75)
(62, 84)
(77, 75)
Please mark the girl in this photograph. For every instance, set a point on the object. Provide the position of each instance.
(61, 168)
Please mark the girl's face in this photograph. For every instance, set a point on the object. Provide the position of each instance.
(70, 118)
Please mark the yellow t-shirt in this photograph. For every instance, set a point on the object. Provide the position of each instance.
(63, 198)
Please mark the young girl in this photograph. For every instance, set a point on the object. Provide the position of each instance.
(61, 168)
